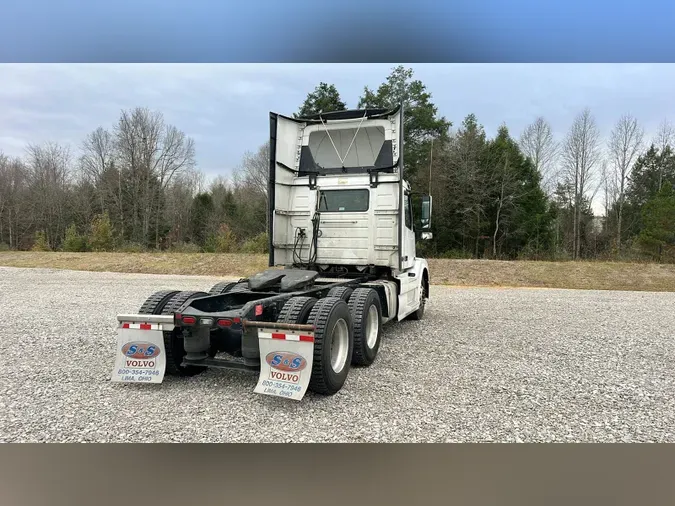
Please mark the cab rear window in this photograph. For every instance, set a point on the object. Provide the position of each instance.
(343, 201)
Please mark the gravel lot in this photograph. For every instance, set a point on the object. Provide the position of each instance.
(484, 365)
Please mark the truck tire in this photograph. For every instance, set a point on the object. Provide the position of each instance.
(173, 343)
(177, 301)
(342, 292)
(333, 345)
(296, 310)
(222, 287)
(156, 302)
(366, 309)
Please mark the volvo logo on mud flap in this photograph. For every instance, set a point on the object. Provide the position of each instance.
(140, 350)
(286, 361)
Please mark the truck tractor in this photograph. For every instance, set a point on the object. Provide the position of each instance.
(342, 264)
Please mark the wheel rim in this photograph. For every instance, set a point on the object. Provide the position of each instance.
(372, 326)
(339, 346)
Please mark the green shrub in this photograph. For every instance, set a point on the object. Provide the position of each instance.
(223, 241)
(101, 237)
(185, 247)
(74, 241)
(41, 243)
(256, 245)
(4, 246)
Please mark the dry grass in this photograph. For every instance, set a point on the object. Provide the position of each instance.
(198, 264)
(588, 275)
(581, 275)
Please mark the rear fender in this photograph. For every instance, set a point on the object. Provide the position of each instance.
(388, 292)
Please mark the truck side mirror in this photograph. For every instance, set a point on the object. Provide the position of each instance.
(425, 217)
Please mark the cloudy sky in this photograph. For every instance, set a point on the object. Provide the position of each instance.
(225, 107)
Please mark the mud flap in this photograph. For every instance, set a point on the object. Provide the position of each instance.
(140, 356)
(286, 358)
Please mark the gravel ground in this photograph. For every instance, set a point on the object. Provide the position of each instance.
(485, 364)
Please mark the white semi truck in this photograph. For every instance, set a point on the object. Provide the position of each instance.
(342, 260)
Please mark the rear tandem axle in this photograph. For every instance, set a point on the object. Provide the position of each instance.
(297, 338)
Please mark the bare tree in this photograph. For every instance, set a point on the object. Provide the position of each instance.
(4, 182)
(5, 177)
(538, 144)
(254, 173)
(580, 156)
(197, 180)
(98, 151)
(152, 153)
(179, 196)
(133, 132)
(48, 179)
(625, 144)
(664, 141)
(176, 156)
(505, 184)
(609, 188)
(255, 167)
(12, 199)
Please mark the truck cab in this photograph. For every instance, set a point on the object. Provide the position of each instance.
(339, 203)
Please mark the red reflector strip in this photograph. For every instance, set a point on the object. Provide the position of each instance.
(236, 319)
(286, 337)
(141, 326)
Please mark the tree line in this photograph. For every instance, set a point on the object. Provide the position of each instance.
(132, 187)
(531, 195)
(135, 186)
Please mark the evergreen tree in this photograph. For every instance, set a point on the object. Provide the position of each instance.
(200, 217)
(422, 123)
(518, 210)
(102, 236)
(459, 186)
(649, 173)
(324, 98)
(658, 216)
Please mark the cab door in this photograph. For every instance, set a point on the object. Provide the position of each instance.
(408, 234)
